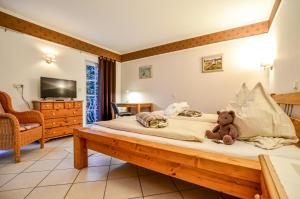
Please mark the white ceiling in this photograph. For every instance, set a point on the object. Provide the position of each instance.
(129, 25)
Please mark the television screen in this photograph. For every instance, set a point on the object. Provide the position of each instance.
(51, 87)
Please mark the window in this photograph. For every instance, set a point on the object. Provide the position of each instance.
(92, 109)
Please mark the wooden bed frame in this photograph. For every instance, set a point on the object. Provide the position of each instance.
(236, 176)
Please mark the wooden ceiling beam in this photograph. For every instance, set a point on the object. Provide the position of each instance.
(20, 25)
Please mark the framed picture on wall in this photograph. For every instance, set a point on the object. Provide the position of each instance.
(213, 63)
(145, 72)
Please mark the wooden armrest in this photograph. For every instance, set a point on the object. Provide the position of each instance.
(30, 117)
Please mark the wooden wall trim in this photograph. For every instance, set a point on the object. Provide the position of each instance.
(234, 33)
(32, 29)
(274, 11)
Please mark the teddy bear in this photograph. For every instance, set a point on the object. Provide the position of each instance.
(225, 130)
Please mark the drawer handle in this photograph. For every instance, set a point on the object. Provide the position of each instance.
(53, 113)
(53, 123)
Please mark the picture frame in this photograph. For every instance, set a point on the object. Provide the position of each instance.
(212, 63)
(145, 72)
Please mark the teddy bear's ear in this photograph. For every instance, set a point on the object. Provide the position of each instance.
(232, 113)
(218, 112)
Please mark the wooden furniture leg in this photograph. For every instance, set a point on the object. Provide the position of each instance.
(138, 108)
(80, 153)
(17, 154)
(151, 108)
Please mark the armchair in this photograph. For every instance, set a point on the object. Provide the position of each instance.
(19, 128)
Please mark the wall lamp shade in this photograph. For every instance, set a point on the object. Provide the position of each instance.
(49, 58)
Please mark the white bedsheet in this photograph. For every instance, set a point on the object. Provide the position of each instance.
(240, 149)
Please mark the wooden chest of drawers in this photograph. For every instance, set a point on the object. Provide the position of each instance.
(60, 117)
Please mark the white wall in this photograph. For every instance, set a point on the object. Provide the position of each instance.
(177, 76)
(21, 62)
(285, 32)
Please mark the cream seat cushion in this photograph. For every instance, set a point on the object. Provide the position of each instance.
(260, 115)
(28, 126)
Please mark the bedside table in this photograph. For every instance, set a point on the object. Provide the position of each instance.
(280, 176)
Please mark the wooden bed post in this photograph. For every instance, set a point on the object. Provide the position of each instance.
(80, 152)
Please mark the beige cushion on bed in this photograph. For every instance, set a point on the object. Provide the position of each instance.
(176, 108)
(260, 115)
(1, 108)
(240, 97)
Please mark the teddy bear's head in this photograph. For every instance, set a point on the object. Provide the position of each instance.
(225, 117)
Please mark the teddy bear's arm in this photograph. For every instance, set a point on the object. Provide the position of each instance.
(216, 129)
(233, 131)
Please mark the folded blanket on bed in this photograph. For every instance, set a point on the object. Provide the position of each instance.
(152, 120)
(177, 129)
(269, 143)
(190, 113)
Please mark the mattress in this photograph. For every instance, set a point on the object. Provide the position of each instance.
(238, 149)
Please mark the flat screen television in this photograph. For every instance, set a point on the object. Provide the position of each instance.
(58, 88)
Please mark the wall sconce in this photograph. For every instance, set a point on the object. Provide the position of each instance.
(267, 66)
(49, 58)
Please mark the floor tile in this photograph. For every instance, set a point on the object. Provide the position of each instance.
(175, 195)
(43, 165)
(123, 188)
(6, 155)
(93, 174)
(226, 196)
(122, 171)
(57, 177)
(183, 185)
(49, 192)
(117, 161)
(15, 167)
(201, 193)
(2, 165)
(87, 190)
(96, 160)
(33, 154)
(53, 155)
(25, 180)
(15, 194)
(5, 178)
(66, 164)
(143, 171)
(54, 143)
(157, 184)
(70, 156)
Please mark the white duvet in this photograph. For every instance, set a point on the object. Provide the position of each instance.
(177, 129)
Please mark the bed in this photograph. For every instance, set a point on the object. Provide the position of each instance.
(228, 171)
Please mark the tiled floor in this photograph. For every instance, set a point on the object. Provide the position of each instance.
(49, 173)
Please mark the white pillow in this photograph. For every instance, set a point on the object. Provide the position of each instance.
(240, 97)
(260, 115)
(176, 108)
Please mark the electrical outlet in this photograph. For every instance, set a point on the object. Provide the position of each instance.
(295, 85)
